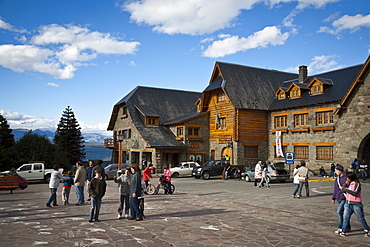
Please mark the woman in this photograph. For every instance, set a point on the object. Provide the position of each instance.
(135, 192)
(295, 180)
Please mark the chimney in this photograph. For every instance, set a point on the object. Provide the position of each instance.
(302, 73)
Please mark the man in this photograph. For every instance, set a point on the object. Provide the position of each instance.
(303, 179)
(101, 168)
(227, 168)
(89, 176)
(339, 196)
(79, 180)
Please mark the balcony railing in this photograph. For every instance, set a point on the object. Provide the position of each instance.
(109, 143)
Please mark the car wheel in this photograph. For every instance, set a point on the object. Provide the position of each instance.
(247, 178)
(205, 175)
(47, 178)
(175, 175)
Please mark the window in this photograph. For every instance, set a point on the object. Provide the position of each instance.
(152, 121)
(193, 131)
(126, 133)
(317, 88)
(221, 97)
(301, 152)
(37, 167)
(222, 123)
(180, 131)
(324, 118)
(250, 151)
(284, 149)
(300, 120)
(280, 122)
(324, 153)
(26, 168)
(281, 95)
(295, 93)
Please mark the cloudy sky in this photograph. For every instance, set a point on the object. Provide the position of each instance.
(88, 54)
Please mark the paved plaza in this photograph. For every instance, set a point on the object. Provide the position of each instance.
(200, 213)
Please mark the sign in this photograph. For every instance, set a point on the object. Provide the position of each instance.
(289, 158)
(279, 150)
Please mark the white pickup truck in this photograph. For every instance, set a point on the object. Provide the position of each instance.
(35, 171)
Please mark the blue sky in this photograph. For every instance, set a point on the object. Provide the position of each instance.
(88, 54)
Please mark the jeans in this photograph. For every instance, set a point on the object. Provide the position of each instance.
(340, 213)
(358, 209)
(305, 183)
(364, 174)
(80, 195)
(264, 180)
(53, 197)
(296, 189)
(95, 208)
(134, 208)
(124, 203)
(226, 175)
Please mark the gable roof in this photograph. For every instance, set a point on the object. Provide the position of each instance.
(341, 80)
(246, 87)
(167, 104)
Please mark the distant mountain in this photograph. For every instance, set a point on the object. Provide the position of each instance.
(88, 137)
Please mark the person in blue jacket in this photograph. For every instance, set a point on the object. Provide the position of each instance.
(67, 184)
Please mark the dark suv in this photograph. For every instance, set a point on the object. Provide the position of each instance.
(215, 168)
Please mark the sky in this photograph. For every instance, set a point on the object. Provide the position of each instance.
(88, 54)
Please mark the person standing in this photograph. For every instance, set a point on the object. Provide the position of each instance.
(257, 173)
(332, 170)
(227, 169)
(167, 173)
(97, 188)
(55, 178)
(352, 188)
(363, 170)
(340, 197)
(101, 168)
(303, 179)
(67, 185)
(89, 176)
(124, 190)
(264, 179)
(295, 180)
(79, 180)
(135, 193)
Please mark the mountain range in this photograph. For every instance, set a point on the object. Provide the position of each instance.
(93, 138)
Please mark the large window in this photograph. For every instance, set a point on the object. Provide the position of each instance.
(324, 118)
(221, 97)
(222, 123)
(300, 120)
(324, 153)
(280, 122)
(193, 131)
(301, 152)
(251, 151)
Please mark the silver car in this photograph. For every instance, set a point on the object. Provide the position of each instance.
(276, 172)
(184, 169)
(111, 170)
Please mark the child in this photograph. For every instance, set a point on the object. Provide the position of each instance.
(124, 190)
(67, 184)
(352, 188)
(97, 188)
(167, 173)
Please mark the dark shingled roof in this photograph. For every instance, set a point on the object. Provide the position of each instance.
(249, 87)
(167, 104)
(336, 84)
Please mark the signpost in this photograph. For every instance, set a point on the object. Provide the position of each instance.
(289, 159)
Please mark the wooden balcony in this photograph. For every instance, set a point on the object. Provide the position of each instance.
(109, 143)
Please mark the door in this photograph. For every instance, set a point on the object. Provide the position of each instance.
(25, 171)
(217, 168)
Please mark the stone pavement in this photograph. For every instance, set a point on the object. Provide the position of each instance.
(181, 219)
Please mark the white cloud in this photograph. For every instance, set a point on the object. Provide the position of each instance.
(346, 22)
(9, 27)
(59, 50)
(320, 64)
(52, 84)
(132, 63)
(19, 121)
(233, 44)
(315, 3)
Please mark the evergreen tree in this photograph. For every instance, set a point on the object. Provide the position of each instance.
(6, 144)
(68, 137)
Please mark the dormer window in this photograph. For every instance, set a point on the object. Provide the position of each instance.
(317, 85)
(295, 93)
(221, 97)
(151, 121)
(317, 88)
(280, 93)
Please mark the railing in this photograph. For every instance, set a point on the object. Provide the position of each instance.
(109, 143)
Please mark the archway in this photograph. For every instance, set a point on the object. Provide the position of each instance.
(225, 154)
(364, 149)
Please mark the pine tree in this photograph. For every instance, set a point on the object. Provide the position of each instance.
(68, 137)
(6, 144)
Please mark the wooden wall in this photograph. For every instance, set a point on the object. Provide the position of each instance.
(251, 125)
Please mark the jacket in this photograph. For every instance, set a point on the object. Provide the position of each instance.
(303, 173)
(167, 173)
(258, 171)
(80, 177)
(55, 178)
(338, 193)
(124, 184)
(295, 176)
(135, 185)
(97, 188)
(353, 193)
(89, 173)
(68, 182)
(147, 175)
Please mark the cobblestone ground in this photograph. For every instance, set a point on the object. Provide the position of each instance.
(180, 219)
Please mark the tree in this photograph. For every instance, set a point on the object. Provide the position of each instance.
(6, 144)
(68, 137)
(34, 147)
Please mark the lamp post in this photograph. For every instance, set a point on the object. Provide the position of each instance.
(119, 139)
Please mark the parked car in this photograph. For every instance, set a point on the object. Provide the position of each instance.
(215, 168)
(35, 171)
(22, 182)
(111, 170)
(184, 169)
(276, 172)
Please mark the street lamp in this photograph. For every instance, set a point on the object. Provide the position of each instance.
(119, 139)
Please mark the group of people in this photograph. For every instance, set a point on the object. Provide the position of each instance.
(260, 174)
(359, 169)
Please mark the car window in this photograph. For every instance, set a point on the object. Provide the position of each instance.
(37, 167)
(25, 168)
(192, 165)
(186, 165)
(218, 163)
